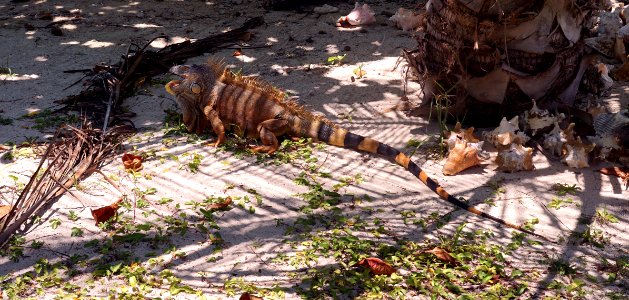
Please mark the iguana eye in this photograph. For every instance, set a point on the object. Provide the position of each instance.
(195, 88)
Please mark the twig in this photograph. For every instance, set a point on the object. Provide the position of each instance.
(114, 184)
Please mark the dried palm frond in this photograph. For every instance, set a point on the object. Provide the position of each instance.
(71, 155)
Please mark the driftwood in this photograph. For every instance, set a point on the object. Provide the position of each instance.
(107, 86)
(72, 155)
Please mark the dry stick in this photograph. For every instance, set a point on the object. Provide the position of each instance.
(25, 191)
(114, 184)
(47, 190)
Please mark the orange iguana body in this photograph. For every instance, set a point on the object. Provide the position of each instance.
(211, 95)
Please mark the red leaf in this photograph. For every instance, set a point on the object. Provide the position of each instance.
(132, 162)
(616, 171)
(443, 255)
(247, 296)
(376, 266)
(221, 205)
(105, 213)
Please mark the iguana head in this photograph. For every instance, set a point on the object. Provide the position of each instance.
(192, 92)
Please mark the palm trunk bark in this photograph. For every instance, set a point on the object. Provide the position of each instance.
(491, 58)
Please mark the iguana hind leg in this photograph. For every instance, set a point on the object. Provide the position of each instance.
(268, 131)
(217, 125)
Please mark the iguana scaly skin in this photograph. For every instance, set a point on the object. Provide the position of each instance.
(211, 95)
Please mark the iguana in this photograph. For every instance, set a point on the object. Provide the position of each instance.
(211, 95)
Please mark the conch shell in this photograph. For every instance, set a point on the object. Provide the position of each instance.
(464, 155)
(539, 119)
(360, 15)
(576, 154)
(609, 128)
(516, 158)
(557, 138)
(406, 19)
(464, 150)
(507, 133)
(458, 133)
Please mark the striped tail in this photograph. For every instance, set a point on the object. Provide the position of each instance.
(343, 138)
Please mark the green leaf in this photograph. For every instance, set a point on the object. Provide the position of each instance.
(54, 223)
(76, 231)
(132, 238)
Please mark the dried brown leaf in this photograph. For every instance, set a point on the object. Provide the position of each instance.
(376, 266)
(623, 173)
(221, 205)
(4, 210)
(132, 162)
(443, 255)
(247, 296)
(105, 213)
(615, 171)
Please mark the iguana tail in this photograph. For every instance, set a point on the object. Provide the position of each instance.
(342, 138)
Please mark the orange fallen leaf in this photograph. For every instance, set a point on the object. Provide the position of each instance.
(247, 296)
(238, 52)
(221, 205)
(616, 171)
(105, 213)
(376, 266)
(443, 255)
(132, 162)
(4, 210)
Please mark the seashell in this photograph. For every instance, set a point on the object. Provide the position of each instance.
(608, 131)
(516, 158)
(557, 138)
(462, 156)
(576, 153)
(406, 19)
(508, 132)
(553, 140)
(458, 134)
(360, 15)
(537, 119)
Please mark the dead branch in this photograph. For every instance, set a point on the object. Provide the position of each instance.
(108, 85)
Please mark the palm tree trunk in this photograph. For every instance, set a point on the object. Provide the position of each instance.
(491, 58)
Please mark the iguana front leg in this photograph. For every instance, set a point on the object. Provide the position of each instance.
(217, 124)
(268, 131)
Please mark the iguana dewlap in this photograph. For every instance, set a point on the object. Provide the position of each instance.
(210, 95)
